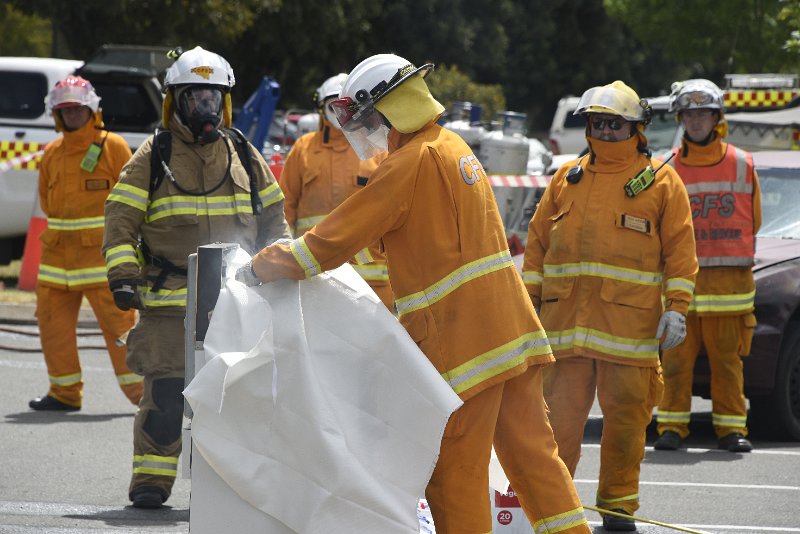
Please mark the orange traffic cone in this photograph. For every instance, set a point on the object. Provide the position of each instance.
(33, 249)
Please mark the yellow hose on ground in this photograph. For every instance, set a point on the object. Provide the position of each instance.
(652, 522)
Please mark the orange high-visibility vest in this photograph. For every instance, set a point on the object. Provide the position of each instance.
(721, 196)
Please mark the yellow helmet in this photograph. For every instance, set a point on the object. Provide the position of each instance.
(615, 98)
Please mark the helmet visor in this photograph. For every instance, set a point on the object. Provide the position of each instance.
(695, 99)
(610, 100)
(362, 125)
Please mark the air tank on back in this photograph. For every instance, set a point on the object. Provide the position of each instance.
(464, 120)
(505, 150)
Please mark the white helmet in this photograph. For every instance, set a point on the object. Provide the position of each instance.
(377, 76)
(330, 88)
(695, 94)
(200, 67)
(369, 82)
(72, 91)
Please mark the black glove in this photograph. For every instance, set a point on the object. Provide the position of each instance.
(124, 295)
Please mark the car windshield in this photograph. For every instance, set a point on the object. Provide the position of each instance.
(661, 132)
(780, 197)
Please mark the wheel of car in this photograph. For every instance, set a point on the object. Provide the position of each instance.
(780, 412)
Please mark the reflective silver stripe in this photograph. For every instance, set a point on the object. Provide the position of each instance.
(129, 378)
(604, 271)
(723, 303)
(679, 284)
(726, 261)
(65, 380)
(72, 277)
(602, 342)
(364, 256)
(496, 361)
(302, 254)
(155, 465)
(719, 187)
(130, 195)
(736, 421)
(453, 281)
(673, 417)
(372, 271)
(121, 254)
(560, 522)
(85, 223)
(271, 194)
(308, 222)
(165, 297)
(532, 277)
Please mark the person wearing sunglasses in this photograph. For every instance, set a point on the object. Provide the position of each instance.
(610, 263)
(458, 294)
(724, 192)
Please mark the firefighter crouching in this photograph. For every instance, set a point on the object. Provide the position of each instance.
(608, 238)
(456, 290)
(76, 175)
(726, 211)
(208, 192)
(321, 172)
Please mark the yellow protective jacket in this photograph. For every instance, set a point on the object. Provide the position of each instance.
(73, 201)
(172, 224)
(321, 171)
(457, 291)
(721, 291)
(599, 262)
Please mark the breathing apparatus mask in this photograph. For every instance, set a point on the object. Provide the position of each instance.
(200, 109)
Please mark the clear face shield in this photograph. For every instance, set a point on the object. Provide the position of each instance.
(362, 125)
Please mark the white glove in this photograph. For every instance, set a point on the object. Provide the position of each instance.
(672, 326)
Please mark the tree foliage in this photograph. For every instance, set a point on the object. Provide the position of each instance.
(526, 54)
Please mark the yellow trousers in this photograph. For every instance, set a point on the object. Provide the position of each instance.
(723, 338)
(627, 395)
(513, 417)
(57, 313)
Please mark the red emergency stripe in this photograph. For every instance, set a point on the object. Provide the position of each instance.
(796, 139)
(759, 98)
(512, 180)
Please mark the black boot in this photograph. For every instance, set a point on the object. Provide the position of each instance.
(735, 443)
(616, 523)
(668, 441)
(52, 404)
(148, 497)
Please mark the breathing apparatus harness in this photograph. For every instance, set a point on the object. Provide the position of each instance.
(159, 169)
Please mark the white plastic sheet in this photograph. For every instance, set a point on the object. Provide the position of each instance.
(317, 408)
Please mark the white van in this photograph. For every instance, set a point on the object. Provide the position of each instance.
(131, 103)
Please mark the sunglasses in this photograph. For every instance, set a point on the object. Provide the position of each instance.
(615, 123)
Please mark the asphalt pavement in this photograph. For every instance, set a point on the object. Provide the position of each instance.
(68, 473)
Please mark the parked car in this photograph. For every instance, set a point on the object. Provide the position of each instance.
(131, 103)
(772, 370)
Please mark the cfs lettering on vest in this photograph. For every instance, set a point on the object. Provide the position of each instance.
(721, 197)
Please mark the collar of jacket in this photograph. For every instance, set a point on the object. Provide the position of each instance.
(83, 136)
(398, 139)
(612, 157)
(696, 155)
(332, 138)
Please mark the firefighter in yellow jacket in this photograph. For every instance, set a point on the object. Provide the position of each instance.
(321, 172)
(457, 294)
(208, 195)
(726, 210)
(609, 238)
(76, 175)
